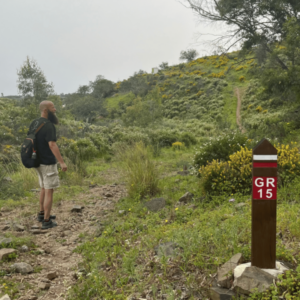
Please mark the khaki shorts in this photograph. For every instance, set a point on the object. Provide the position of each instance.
(48, 176)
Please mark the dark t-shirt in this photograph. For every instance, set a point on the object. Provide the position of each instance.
(45, 135)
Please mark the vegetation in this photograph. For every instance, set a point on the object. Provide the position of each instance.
(156, 128)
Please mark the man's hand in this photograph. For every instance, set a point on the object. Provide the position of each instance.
(63, 167)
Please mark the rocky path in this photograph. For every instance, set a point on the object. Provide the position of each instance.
(238, 93)
(51, 264)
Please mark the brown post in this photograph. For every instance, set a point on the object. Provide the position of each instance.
(264, 203)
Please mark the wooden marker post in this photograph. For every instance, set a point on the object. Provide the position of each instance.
(264, 205)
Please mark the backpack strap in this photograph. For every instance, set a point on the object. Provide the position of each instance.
(37, 130)
(41, 125)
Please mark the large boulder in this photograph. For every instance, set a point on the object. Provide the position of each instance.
(156, 204)
(252, 278)
(225, 272)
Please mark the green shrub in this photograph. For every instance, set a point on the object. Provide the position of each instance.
(188, 139)
(219, 148)
(140, 172)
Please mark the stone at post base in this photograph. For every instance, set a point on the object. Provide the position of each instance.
(225, 272)
(248, 278)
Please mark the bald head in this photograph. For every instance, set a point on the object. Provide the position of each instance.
(45, 105)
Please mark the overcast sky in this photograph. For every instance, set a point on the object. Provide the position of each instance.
(73, 41)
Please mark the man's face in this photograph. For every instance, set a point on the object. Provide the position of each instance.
(51, 114)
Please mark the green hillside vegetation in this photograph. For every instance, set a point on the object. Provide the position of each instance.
(152, 130)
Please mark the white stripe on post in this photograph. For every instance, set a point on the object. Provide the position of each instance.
(264, 157)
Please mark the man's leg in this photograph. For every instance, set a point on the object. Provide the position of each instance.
(48, 203)
(42, 198)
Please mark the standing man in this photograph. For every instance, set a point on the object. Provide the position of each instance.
(47, 154)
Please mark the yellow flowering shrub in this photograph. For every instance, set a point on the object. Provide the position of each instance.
(258, 108)
(242, 79)
(217, 75)
(177, 146)
(235, 175)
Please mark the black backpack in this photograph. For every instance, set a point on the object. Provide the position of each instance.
(28, 148)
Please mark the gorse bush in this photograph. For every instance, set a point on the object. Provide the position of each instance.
(235, 175)
(219, 148)
(140, 171)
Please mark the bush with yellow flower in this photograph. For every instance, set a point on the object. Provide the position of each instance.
(235, 175)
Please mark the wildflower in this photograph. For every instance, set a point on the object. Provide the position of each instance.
(176, 208)
(167, 221)
(129, 209)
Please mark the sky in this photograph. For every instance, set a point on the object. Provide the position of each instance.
(73, 41)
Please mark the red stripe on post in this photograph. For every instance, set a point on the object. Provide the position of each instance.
(264, 165)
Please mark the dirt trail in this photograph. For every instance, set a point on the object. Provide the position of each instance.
(239, 94)
(56, 245)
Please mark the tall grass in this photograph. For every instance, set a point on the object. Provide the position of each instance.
(140, 171)
(17, 180)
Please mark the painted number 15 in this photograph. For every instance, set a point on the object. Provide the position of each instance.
(269, 193)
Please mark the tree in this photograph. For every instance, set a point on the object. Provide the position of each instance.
(101, 87)
(32, 83)
(250, 23)
(188, 55)
(83, 90)
(164, 65)
(137, 84)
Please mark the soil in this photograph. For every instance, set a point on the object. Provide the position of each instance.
(54, 252)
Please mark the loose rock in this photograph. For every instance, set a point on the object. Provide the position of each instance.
(217, 293)
(108, 195)
(5, 297)
(35, 227)
(18, 227)
(36, 231)
(77, 208)
(22, 268)
(52, 275)
(24, 248)
(4, 253)
(156, 204)
(186, 197)
(253, 278)
(225, 272)
(6, 227)
(121, 212)
(5, 241)
(44, 285)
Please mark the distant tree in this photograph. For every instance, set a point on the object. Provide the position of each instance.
(164, 65)
(188, 55)
(101, 87)
(83, 90)
(2, 95)
(142, 113)
(136, 84)
(32, 83)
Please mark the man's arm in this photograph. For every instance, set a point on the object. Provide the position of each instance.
(55, 150)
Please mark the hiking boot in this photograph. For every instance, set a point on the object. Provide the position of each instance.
(40, 218)
(50, 224)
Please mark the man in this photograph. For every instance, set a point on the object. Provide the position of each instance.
(47, 154)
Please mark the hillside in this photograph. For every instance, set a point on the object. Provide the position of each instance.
(160, 165)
